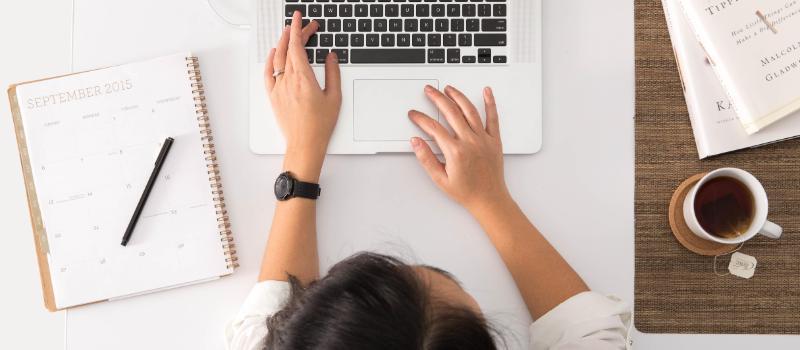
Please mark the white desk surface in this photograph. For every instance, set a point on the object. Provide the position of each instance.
(578, 190)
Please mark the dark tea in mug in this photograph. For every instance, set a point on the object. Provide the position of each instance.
(724, 207)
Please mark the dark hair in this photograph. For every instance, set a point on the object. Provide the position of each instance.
(372, 301)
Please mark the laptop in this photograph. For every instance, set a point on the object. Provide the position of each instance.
(390, 49)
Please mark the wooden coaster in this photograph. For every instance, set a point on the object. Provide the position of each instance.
(682, 232)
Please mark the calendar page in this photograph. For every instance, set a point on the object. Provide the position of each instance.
(93, 139)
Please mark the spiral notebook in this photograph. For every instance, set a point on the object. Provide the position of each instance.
(87, 143)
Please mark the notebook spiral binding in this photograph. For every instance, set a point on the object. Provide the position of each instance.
(223, 223)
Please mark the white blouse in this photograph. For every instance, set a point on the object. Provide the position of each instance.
(585, 321)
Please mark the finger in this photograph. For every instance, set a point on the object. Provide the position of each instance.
(450, 110)
(310, 30)
(269, 71)
(428, 160)
(492, 117)
(470, 112)
(296, 59)
(333, 76)
(280, 50)
(432, 128)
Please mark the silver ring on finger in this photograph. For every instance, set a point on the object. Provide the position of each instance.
(278, 72)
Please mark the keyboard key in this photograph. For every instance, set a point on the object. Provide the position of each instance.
(490, 40)
(342, 40)
(473, 25)
(468, 59)
(395, 25)
(361, 10)
(485, 10)
(454, 10)
(346, 10)
(434, 40)
(321, 23)
(418, 40)
(499, 59)
(313, 41)
(436, 56)
(349, 25)
(457, 25)
(334, 25)
(376, 10)
(438, 10)
(326, 40)
(426, 25)
(321, 55)
(484, 55)
(373, 40)
(453, 55)
(357, 40)
(381, 25)
(493, 25)
(331, 10)
(469, 10)
(392, 11)
(364, 25)
(442, 25)
(387, 39)
(314, 10)
(411, 25)
(499, 10)
(450, 40)
(465, 40)
(342, 55)
(423, 10)
(290, 9)
(310, 54)
(404, 40)
(387, 55)
(407, 10)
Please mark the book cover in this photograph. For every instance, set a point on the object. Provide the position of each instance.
(715, 125)
(754, 47)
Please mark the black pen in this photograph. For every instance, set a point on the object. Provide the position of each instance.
(162, 156)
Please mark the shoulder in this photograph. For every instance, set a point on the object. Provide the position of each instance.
(588, 320)
(248, 328)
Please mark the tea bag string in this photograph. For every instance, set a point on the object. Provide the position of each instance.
(728, 253)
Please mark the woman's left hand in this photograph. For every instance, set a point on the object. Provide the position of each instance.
(306, 113)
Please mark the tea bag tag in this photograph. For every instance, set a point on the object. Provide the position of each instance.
(742, 265)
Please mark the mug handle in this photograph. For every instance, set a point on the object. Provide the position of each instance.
(771, 230)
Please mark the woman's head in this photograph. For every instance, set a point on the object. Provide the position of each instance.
(372, 301)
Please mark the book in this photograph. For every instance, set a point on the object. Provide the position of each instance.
(754, 47)
(87, 144)
(714, 122)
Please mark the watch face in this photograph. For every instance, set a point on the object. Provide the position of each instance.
(283, 187)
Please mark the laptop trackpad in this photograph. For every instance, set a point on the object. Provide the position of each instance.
(380, 108)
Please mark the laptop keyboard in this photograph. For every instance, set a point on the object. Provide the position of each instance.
(406, 31)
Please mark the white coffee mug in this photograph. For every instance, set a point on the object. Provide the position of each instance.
(759, 225)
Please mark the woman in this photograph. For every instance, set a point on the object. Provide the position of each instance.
(372, 301)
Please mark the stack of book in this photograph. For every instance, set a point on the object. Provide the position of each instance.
(740, 65)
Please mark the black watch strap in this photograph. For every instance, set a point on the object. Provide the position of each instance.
(306, 190)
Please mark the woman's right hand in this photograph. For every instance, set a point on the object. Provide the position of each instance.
(472, 173)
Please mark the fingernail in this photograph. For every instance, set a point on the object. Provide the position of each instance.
(429, 88)
(414, 142)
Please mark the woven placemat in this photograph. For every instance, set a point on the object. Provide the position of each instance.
(677, 290)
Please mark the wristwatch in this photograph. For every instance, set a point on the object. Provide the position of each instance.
(287, 187)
